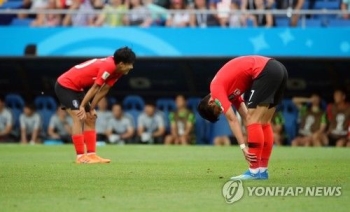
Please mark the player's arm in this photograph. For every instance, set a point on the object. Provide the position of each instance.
(100, 94)
(36, 130)
(89, 95)
(189, 124)
(237, 131)
(323, 125)
(129, 133)
(161, 128)
(8, 127)
(159, 132)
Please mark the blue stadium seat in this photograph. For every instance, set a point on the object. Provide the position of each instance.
(111, 101)
(202, 130)
(338, 23)
(220, 128)
(290, 113)
(46, 106)
(282, 22)
(21, 22)
(134, 114)
(133, 102)
(16, 103)
(11, 5)
(310, 23)
(330, 5)
(192, 103)
(166, 105)
(45, 102)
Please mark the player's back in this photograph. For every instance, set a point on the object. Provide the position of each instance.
(83, 75)
(238, 73)
(250, 65)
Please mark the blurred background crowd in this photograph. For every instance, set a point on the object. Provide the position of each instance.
(185, 13)
(300, 121)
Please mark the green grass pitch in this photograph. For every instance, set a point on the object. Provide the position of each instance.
(163, 178)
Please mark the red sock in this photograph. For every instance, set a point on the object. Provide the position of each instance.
(78, 141)
(268, 144)
(90, 141)
(255, 143)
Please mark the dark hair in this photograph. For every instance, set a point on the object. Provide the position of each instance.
(340, 89)
(30, 105)
(2, 98)
(206, 111)
(124, 55)
(30, 50)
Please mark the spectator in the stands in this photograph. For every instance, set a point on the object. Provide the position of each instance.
(120, 128)
(313, 121)
(30, 124)
(112, 14)
(47, 19)
(181, 124)
(26, 5)
(163, 3)
(104, 115)
(264, 19)
(83, 17)
(6, 121)
(30, 50)
(291, 5)
(151, 125)
(345, 6)
(180, 18)
(202, 19)
(277, 124)
(158, 13)
(226, 12)
(138, 15)
(60, 126)
(338, 114)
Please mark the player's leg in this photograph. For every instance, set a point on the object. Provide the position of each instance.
(266, 92)
(341, 142)
(70, 101)
(268, 142)
(169, 140)
(90, 137)
(184, 140)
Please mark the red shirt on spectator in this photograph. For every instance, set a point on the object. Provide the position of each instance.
(99, 71)
(234, 78)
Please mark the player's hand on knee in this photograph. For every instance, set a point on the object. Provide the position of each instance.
(250, 157)
(81, 114)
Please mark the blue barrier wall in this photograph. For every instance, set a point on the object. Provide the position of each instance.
(165, 42)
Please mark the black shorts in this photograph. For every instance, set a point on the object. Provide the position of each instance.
(70, 99)
(268, 88)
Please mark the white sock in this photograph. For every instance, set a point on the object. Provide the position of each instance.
(262, 169)
(254, 171)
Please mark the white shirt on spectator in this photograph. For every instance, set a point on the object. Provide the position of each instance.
(102, 120)
(59, 126)
(120, 126)
(5, 119)
(150, 124)
(30, 123)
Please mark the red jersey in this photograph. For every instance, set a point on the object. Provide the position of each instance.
(99, 71)
(234, 78)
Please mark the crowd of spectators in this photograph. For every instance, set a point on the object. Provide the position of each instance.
(319, 124)
(147, 13)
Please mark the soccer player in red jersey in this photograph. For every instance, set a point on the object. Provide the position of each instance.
(99, 75)
(262, 80)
